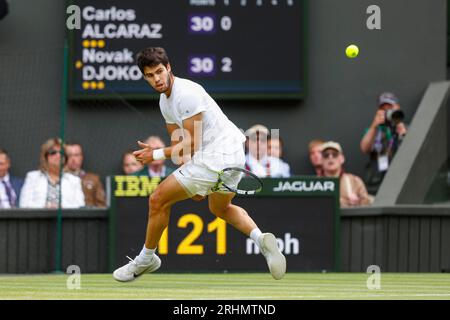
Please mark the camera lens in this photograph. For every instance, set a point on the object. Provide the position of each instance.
(394, 116)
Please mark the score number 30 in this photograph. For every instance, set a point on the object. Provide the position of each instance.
(206, 23)
(187, 245)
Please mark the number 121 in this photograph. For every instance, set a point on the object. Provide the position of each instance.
(187, 245)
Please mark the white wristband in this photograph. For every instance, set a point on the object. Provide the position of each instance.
(158, 154)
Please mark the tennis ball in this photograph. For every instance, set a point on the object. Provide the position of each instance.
(352, 51)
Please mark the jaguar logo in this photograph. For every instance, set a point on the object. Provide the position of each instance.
(305, 186)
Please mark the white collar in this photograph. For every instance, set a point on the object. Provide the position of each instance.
(5, 178)
(161, 173)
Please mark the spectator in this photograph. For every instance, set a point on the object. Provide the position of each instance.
(41, 187)
(352, 189)
(315, 155)
(256, 158)
(278, 167)
(10, 186)
(155, 168)
(382, 139)
(129, 163)
(94, 193)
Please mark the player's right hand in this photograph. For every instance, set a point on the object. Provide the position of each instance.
(144, 155)
(143, 145)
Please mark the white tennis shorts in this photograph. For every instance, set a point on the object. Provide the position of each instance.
(200, 175)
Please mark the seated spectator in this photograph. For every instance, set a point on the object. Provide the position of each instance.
(155, 168)
(42, 187)
(10, 186)
(352, 189)
(256, 159)
(129, 163)
(315, 155)
(382, 139)
(278, 167)
(94, 193)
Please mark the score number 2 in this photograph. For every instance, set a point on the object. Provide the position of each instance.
(206, 65)
(187, 245)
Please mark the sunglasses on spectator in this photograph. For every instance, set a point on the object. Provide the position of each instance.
(52, 152)
(327, 154)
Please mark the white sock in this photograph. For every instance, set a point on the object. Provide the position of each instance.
(255, 234)
(146, 254)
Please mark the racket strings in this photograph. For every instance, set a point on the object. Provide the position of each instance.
(240, 181)
(248, 183)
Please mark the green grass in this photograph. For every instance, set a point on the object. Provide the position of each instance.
(229, 286)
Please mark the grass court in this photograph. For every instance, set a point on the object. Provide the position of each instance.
(234, 286)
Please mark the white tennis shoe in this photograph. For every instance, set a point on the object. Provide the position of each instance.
(134, 269)
(275, 259)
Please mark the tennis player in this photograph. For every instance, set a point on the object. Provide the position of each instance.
(213, 143)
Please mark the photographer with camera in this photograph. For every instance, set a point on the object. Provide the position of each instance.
(382, 139)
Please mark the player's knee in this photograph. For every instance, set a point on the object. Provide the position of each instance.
(156, 202)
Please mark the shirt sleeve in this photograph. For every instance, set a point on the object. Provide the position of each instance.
(166, 116)
(78, 195)
(25, 194)
(190, 105)
(361, 191)
(100, 196)
(286, 170)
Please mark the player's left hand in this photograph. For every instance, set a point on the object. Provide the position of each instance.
(145, 154)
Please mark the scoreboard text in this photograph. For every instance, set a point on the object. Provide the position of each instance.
(234, 48)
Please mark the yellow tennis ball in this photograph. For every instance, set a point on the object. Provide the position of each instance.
(352, 51)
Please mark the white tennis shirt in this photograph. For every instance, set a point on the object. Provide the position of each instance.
(219, 134)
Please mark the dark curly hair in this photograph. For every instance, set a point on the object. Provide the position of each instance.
(150, 57)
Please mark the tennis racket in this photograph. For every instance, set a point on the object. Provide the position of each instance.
(248, 183)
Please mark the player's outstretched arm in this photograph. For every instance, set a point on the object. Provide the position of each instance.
(184, 142)
(145, 154)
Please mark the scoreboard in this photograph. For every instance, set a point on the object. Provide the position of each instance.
(234, 48)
